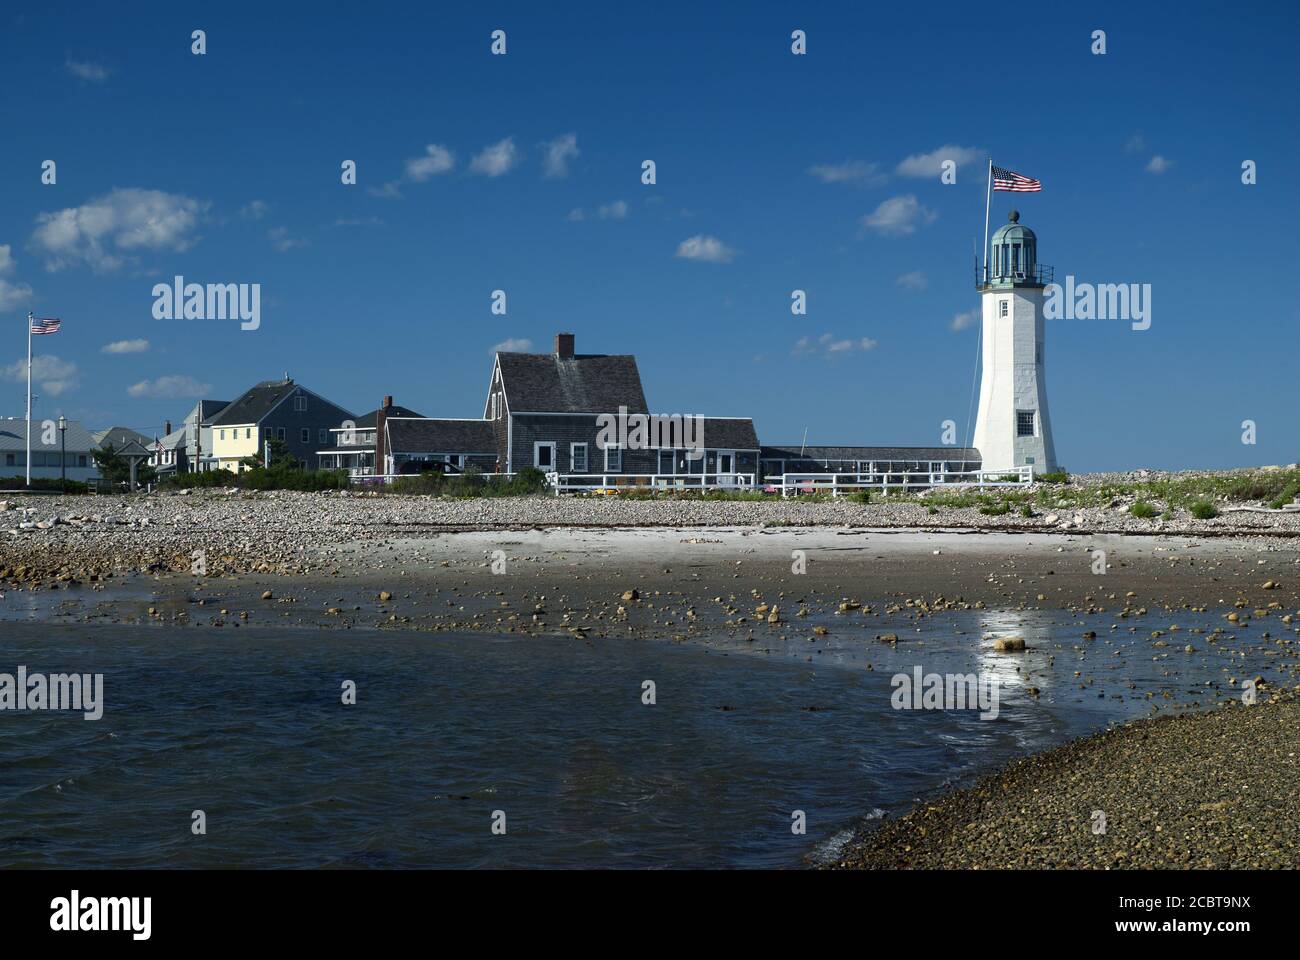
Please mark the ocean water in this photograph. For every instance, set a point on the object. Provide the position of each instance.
(248, 726)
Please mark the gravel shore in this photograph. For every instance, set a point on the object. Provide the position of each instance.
(1204, 790)
(86, 537)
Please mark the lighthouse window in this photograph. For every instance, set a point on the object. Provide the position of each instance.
(1002, 308)
(1024, 423)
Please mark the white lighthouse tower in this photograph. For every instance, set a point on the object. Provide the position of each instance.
(1012, 428)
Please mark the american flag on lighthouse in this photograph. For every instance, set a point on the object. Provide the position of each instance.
(1014, 182)
(43, 326)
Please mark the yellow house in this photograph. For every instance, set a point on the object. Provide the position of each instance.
(278, 410)
(230, 445)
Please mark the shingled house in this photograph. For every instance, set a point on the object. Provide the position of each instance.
(394, 439)
(274, 410)
(546, 410)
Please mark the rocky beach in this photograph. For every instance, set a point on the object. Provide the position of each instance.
(864, 583)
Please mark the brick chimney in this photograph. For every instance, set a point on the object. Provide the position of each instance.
(380, 419)
(564, 346)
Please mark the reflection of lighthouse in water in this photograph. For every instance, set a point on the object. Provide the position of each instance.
(1015, 671)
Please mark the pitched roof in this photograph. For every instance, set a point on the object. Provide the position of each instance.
(257, 402)
(173, 440)
(792, 452)
(13, 436)
(205, 410)
(587, 383)
(119, 437)
(729, 433)
(426, 435)
(396, 410)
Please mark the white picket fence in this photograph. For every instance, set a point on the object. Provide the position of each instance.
(614, 482)
(837, 484)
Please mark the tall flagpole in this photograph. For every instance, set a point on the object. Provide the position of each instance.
(29, 400)
(988, 199)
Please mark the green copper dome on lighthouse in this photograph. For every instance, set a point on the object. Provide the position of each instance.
(1013, 256)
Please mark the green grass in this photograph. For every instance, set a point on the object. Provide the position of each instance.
(1203, 510)
(1142, 510)
(1288, 494)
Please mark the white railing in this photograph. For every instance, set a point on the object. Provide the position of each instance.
(667, 482)
(371, 479)
(847, 482)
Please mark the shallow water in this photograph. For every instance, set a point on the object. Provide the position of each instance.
(247, 725)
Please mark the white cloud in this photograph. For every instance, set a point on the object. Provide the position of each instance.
(706, 249)
(254, 210)
(496, 159)
(915, 280)
(850, 171)
(616, 210)
(961, 321)
(828, 345)
(512, 346)
(1159, 164)
(52, 376)
(557, 153)
(437, 159)
(12, 295)
(358, 222)
(125, 346)
(102, 231)
(931, 164)
(171, 387)
(282, 240)
(899, 215)
(1136, 144)
(85, 70)
(390, 190)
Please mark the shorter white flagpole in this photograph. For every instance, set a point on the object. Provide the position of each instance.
(29, 399)
(988, 200)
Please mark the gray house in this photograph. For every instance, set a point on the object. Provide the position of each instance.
(552, 411)
(274, 410)
(52, 454)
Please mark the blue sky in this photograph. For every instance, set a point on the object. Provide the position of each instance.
(775, 172)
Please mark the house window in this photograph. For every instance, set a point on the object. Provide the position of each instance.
(578, 458)
(544, 456)
(1024, 423)
(223, 434)
(613, 459)
(322, 435)
(1002, 308)
(248, 433)
(299, 403)
(9, 460)
(279, 433)
(306, 435)
(81, 460)
(456, 459)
